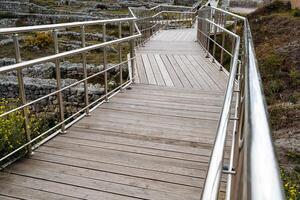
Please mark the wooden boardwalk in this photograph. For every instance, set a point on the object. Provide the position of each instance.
(153, 141)
(174, 59)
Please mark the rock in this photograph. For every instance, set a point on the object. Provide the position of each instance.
(36, 88)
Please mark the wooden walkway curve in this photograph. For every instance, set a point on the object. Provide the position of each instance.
(152, 141)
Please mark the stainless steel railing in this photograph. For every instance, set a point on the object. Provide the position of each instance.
(150, 21)
(252, 170)
(156, 18)
(63, 122)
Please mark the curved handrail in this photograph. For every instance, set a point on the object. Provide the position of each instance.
(253, 171)
(261, 167)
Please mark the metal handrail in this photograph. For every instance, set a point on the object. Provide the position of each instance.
(261, 167)
(253, 171)
(152, 21)
(135, 33)
(20, 65)
(63, 25)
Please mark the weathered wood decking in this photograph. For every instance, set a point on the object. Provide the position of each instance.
(150, 142)
(174, 59)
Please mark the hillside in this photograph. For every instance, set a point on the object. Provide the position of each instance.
(276, 33)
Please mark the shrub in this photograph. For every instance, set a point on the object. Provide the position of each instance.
(40, 39)
(296, 12)
(276, 86)
(294, 75)
(12, 132)
(290, 184)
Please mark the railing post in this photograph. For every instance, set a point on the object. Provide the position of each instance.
(105, 63)
(120, 56)
(86, 94)
(222, 50)
(215, 40)
(22, 93)
(233, 41)
(223, 43)
(132, 50)
(58, 82)
(208, 29)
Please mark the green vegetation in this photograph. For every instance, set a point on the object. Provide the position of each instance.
(296, 12)
(292, 180)
(12, 131)
(39, 39)
(12, 134)
(5, 14)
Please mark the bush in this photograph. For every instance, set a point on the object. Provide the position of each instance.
(12, 132)
(291, 187)
(40, 39)
(276, 86)
(294, 75)
(296, 12)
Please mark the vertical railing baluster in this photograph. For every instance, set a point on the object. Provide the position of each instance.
(58, 82)
(86, 92)
(233, 40)
(105, 63)
(208, 30)
(132, 50)
(232, 50)
(22, 93)
(223, 41)
(215, 40)
(120, 56)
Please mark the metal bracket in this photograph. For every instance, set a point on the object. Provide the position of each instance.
(234, 118)
(233, 172)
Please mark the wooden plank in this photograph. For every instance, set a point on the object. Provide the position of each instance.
(169, 105)
(206, 77)
(131, 148)
(209, 100)
(115, 159)
(163, 111)
(184, 80)
(7, 198)
(9, 186)
(118, 155)
(186, 91)
(156, 70)
(212, 70)
(138, 89)
(136, 74)
(204, 125)
(90, 163)
(198, 77)
(164, 71)
(149, 72)
(113, 138)
(163, 128)
(156, 135)
(175, 79)
(28, 187)
(155, 187)
(92, 183)
(187, 72)
(141, 70)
